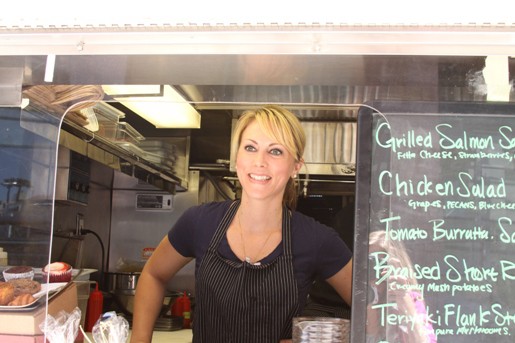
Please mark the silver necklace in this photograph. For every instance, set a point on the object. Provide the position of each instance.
(247, 258)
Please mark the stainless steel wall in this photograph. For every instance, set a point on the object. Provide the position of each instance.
(134, 230)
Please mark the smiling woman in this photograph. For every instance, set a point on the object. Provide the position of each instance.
(282, 139)
(256, 257)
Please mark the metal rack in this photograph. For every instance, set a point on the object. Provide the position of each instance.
(127, 162)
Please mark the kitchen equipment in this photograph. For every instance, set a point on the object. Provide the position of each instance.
(122, 285)
(73, 177)
(330, 147)
(320, 330)
(165, 322)
(125, 300)
(123, 280)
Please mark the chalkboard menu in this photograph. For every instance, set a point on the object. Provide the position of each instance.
(435, 223)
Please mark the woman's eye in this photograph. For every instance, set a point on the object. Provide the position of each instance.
(249, 148)
(276, 152)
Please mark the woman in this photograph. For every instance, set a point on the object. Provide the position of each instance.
(256, 258)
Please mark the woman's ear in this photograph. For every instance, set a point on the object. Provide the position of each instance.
(297, 167)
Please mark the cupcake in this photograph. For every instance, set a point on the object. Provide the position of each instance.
(57, 272)
(19, 272)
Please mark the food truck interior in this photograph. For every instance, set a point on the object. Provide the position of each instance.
(88, 180)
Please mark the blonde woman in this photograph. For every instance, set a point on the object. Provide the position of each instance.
(256, 257)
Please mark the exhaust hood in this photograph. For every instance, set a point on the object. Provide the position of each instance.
(330, 148)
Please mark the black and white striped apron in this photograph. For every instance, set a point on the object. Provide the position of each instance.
(242, 303)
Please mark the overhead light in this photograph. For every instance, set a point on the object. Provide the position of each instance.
(496, 74)
(160, 105)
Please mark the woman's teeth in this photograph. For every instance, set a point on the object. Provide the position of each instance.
(260, 177)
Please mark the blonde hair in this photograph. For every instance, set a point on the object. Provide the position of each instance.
(281, 125)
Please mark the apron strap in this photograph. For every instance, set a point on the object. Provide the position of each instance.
(287, 232)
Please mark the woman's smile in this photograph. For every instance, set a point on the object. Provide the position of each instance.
(259, 177)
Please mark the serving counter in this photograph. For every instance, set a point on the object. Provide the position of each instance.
(179, 336)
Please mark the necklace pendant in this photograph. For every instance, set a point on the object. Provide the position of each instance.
(247, 259)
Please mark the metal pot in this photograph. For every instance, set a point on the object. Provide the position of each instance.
(123, 287)
(123, 281)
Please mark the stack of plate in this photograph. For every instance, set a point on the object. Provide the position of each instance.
(320, 330)
(168, 323)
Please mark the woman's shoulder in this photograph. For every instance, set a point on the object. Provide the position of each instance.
(305, 223)
(318, 246)
(199, 221)
(310, 234)
(318, 249)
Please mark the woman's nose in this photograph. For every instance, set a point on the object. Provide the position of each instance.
(260, 160)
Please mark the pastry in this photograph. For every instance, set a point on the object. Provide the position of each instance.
(22, 300)
(25, 286)
(57, 272)
(18, 272)
(6, 293)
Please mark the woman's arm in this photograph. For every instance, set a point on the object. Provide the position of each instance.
(342, 282)
(164, 263)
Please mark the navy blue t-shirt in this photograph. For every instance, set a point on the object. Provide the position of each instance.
(318, 250)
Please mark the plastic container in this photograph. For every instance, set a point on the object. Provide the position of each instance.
(107, 130)
(119, 132)
(107, 114)
(320, 330)
(126, 133)
(155, 145)
(153, 158)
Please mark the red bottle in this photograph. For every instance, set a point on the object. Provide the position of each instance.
(177, 307)
(94, 310)
(186, 311)
(182, 308)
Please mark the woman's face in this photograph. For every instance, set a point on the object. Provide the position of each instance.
(263, 165)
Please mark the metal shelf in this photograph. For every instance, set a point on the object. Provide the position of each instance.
(129, 163)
